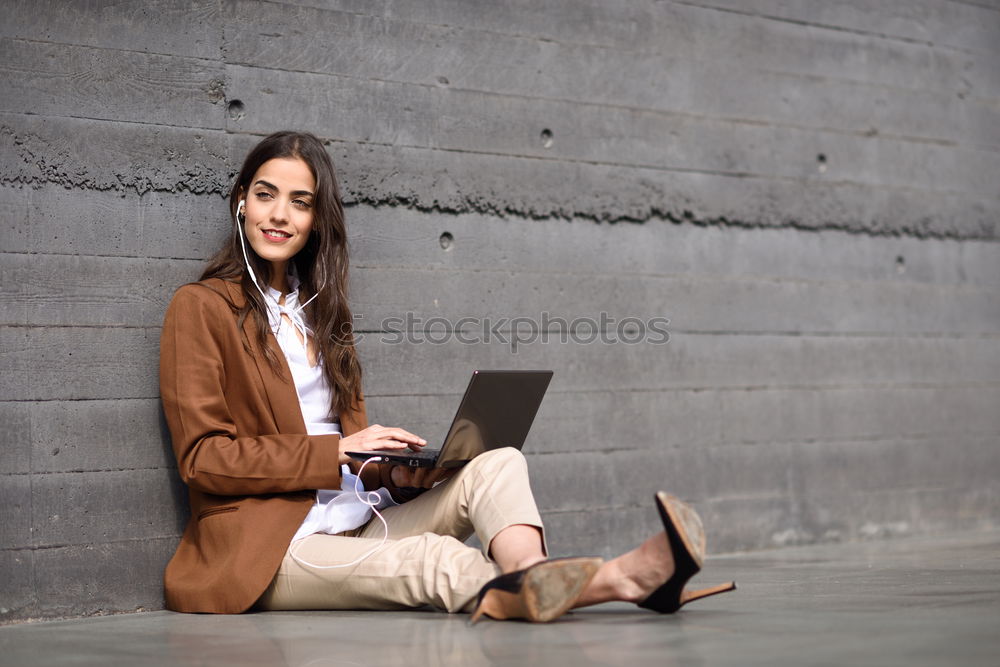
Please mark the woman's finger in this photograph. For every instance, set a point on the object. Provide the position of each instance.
(389, 443)
(418, 477)
(402, 476)
(401, 434)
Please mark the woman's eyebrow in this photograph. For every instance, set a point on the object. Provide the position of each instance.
(271, 186)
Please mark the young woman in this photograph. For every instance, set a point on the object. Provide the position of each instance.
(261, 388)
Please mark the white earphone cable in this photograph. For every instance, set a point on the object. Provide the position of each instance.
(240, 209)
(368, 500)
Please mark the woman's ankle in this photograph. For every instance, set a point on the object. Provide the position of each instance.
(517, 547)
(525, 563)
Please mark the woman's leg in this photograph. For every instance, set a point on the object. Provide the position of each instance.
(410, 572)
(517, 547)
(490, 496)
(423, 560)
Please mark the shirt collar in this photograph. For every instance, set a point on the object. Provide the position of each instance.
(290, 306)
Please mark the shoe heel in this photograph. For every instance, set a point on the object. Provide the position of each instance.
(691, 596)
(501, 605)
(686, 538)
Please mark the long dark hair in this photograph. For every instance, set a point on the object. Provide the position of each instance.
(321, 266)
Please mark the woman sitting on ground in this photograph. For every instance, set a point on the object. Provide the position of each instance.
(261, 388)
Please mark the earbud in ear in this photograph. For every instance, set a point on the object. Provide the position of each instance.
(241, 208)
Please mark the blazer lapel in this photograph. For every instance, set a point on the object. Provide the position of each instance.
(280, 390)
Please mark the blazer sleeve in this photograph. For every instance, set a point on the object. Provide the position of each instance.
(199, 331)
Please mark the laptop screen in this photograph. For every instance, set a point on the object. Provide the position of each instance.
(496, 411)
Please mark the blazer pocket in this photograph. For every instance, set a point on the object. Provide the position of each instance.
(217, 510)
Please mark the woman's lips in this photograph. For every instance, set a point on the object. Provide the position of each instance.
(275, 235)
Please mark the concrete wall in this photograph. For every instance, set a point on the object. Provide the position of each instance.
(807, 190)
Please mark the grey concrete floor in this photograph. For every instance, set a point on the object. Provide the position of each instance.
(913, 601)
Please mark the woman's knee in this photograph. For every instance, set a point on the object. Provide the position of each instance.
(497, 462)
(503, 456)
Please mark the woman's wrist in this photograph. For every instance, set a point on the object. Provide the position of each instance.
(344, 445)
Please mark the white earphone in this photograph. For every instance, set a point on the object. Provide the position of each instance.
(240, 210)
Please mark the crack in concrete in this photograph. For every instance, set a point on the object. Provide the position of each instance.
(206, 171)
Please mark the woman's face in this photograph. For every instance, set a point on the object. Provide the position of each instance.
(279, 211)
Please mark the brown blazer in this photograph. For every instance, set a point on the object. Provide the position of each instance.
(241, 448)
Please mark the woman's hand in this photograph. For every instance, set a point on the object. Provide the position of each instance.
(379, 437)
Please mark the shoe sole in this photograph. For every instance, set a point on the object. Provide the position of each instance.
(681, 518)
(551, 591)
(548, 591)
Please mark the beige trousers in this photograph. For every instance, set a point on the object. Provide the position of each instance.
(423, 561)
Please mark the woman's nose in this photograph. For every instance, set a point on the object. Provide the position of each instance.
(280, 211)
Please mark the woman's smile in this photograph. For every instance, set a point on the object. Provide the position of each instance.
(276, 235)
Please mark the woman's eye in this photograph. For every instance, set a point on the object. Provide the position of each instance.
(301, 203)
(263, 195)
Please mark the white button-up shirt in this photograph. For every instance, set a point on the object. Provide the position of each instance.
(335, 510)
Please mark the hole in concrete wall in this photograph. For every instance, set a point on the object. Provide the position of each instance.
(446, 241)
(236, 109)
(900, 264)
(547, 140)
(821, 162)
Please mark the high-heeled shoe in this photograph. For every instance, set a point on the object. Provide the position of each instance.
(686, 538)
(541, 593)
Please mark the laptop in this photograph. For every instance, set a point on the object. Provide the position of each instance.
(496, 411)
